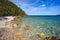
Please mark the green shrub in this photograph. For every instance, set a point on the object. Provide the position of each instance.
(8, 8)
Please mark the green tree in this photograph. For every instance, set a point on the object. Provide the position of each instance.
(8, 8)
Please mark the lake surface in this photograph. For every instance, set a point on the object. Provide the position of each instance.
(47, 25)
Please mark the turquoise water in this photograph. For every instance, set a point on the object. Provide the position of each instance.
(47, 25)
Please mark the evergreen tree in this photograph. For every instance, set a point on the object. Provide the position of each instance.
(8, 8)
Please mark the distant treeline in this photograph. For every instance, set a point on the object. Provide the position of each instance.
(8, 8)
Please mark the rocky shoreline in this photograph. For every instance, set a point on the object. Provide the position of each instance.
(10, 30)
(10, 21)
(10, 27)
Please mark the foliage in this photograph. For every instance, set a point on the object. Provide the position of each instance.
(8, 8)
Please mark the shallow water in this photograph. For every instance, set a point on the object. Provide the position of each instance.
(31, 27)
(47, 25)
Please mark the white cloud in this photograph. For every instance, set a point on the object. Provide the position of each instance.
(31, 10)
(43, 10)
(43, 5)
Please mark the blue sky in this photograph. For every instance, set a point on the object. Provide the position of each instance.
(39, 7)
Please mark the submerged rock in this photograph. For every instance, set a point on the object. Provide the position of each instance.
(41, 36)
(27, 27)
